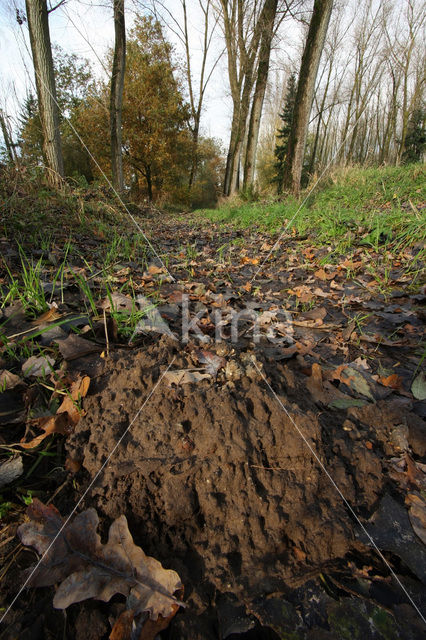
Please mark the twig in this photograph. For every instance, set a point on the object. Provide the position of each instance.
(106, 335)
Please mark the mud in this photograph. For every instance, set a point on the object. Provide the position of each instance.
(214, 478)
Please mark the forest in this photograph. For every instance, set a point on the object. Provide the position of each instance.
(212, 306)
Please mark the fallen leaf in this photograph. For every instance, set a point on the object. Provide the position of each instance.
(353, 379)
(418, 388)
(321, 274)
(118, 302)
(152, 322)
(347, 402)
(75, 556)
(415, 475)
(123, 627)
(212, 361)
(151, 628)
(10, 470)
(48, 316)
(8, 380)
(185, 376)
(417, 514)
(317, 313)
(49, 424)
(303, 293)
(38, 366)
(75, 347)
(394, 381)
(175, 297)
(69, 405)
(154, 270)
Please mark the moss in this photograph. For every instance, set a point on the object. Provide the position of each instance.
(385, 624)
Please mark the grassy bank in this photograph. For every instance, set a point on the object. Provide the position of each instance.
(380, 205)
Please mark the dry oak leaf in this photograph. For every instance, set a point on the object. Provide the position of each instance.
(78, 390)
(66, 417)
(49, 424)
(86, 568)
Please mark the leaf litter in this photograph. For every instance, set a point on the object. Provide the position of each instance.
(352, 358)
(74, 556)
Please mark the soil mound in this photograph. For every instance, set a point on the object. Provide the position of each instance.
(214, 478)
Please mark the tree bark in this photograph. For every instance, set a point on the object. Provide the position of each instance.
(116, 96)
(10, 148)
(259, 91)
(242, 40)
(38, 25)
(305, 91)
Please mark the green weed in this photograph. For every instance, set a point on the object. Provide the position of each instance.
(378, 207)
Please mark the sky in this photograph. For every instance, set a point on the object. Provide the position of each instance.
(86, 28)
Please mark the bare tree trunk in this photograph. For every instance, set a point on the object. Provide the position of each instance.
(305, 90)
(10, 148)
(241, 131)
(38, 25)
(116, 96)
(259, 91)
(242, 39)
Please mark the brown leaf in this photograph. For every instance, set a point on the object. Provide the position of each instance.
(75, 347)
(175, 297)
(152, 628)
(48, 316)
(394, 381)
(78, 390)
(317, 313)
(323, 275)
(122, 629)
(118, 302)
(154, 270)
(303, 293)
(417, 514)
(49, 424)
(75, 556)
(212, 361)
(415, 475)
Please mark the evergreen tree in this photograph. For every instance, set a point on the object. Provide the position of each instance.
(284, 131)
(30, 137)
(415, 142)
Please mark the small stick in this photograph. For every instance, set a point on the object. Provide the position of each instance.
(106, 335)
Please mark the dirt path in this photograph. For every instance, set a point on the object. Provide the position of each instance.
(221, 477)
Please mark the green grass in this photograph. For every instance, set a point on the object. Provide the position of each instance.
(377, 205)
